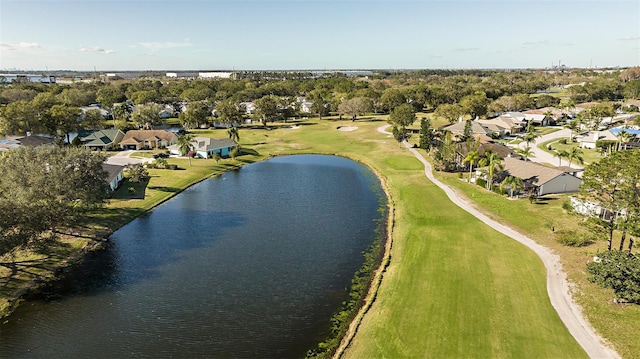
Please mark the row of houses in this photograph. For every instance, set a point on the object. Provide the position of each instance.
(627, 136)
(113, 139)
(507, 124)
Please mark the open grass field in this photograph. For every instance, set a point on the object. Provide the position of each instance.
(454, 288)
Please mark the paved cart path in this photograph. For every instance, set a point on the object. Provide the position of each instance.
(557, 285)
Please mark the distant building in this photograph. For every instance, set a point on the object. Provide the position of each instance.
(214, 75)
(182, 75)
(122, 75)
(11, 78)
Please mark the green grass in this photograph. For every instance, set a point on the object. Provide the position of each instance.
(614, 322)
(454, 288)
(588, 155)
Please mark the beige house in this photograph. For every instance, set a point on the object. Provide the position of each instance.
(139, 139)
(542, 179)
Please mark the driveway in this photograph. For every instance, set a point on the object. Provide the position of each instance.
(542, 156)
(122, 158)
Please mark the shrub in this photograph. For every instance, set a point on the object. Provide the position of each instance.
(481, 182)
(618, 270)
(571, 238)
(563, 141)
(172, 167)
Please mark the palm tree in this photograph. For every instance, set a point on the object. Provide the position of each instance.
(624, 137)
(472, 157)
(514, 183)
(575, 154)
(561, 154)
(530, 135)
(233, 133)
(184, 145)
(493, 161)
(526, 152)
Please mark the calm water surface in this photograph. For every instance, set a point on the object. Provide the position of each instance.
(248, 265)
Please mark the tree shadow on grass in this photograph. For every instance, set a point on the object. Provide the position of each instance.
(544, 200)
(131, 190)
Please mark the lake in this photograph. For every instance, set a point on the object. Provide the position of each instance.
(249, 264)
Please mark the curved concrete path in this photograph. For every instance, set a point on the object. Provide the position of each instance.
(540, 155)
(557, 285)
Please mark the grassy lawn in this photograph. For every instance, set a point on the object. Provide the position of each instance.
(454, 287)
(616, 322)
(589, 155)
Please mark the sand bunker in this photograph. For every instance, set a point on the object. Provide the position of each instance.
(347, 128)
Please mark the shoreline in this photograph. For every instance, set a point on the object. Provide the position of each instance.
(56, 273)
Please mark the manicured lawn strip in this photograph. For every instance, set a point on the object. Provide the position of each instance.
(616, 322)
(456, 288)
(588, 155)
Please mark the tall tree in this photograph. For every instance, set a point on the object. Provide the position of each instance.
(92, 120)
(63, 119)
(185, 145)
(451, 112)
(234, 133)
(47, 188)
(392, 98)
(195, 115)
(513, 183)
(472, 158)
(267, 108)
(147, 116)
(575, 154)
(604, 183)
(493, 162)
(476, 104)
(402, 117)
(229, 112)
(355, 106)
(426, 134)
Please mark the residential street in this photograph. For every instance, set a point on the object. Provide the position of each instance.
(544, 157)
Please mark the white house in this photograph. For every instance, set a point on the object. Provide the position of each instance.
(589, 139)
(115, 175)
(205, 147)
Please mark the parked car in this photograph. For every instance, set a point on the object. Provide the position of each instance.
(161, 155)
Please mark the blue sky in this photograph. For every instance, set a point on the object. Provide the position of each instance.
(264, 35)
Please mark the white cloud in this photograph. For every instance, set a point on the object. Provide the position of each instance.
(29, 45)
(535, 43)
(20, 45)
(630, 38)
(466, 49)
(165, 45)
(96, 49)
(437, 56)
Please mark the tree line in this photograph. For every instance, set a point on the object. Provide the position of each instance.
(45, 191)
(54, 109)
